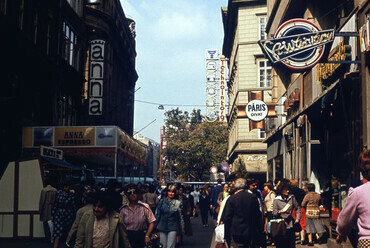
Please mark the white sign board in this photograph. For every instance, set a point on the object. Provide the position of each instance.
(51, 152)
(256, 110)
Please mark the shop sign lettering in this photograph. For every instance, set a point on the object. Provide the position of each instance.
(96, 77)
(297, 43)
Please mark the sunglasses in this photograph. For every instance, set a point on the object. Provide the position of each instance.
(129, 192)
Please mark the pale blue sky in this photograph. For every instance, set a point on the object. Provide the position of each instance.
(171, 39)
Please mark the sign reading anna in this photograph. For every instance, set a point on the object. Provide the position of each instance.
(298, 44)
(74, 136)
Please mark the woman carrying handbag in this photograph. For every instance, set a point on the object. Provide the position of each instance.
(282, 210)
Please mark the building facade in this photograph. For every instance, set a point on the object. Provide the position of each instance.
(152, 160)
(69, 64)
(326, 106)
(249, 76)
(110, 66)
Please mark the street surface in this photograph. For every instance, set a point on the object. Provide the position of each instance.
(202, 237)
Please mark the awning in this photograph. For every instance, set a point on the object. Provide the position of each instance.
(61, 163)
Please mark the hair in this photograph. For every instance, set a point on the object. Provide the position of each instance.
(219, 181)
(284, 184)
(151, 189)
(251, 181)
(104, 198)
(269, 185)
(133, 186)
(294, 183)
(174, 189)
(240, 183)
(364, 164)
(311, 187)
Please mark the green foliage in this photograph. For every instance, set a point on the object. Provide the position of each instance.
(194, 146)
(239, 169)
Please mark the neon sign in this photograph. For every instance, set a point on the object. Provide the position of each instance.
(298, 44)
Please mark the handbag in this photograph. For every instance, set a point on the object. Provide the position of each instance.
(278, 228)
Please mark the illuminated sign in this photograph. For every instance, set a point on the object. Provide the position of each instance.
(222, 111)
(96, 77)
(213, 170)
(325, 71)
(298, 44)
(211, 81)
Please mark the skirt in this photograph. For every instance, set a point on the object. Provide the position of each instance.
(314, 226)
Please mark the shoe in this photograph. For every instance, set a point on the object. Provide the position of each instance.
(310, 243)
(303, 242)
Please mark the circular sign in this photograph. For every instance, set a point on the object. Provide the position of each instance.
(256, 110)
(213, 170)
(305, 59)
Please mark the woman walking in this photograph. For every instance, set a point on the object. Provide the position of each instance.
(102, 227)
(169, 219)
(63, 212)
(282, 208)
(313, 223)
(204, 206)
(356, 208)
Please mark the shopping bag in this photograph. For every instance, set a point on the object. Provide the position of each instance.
(278, 228)
(220, 233)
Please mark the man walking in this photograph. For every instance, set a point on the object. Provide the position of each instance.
(46, 201)
(243, 216)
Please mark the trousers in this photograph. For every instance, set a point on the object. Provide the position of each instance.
(168, 240)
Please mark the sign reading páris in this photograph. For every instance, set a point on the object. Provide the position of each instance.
(298, 44)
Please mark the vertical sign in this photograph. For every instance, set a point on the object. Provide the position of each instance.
(96, 77)
(222, 112)
(211, 81)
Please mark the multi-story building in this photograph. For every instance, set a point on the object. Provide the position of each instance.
(249, 74)
(152, 159)
(326, 105)
(44, 44)
(110, 66)
(68, 63)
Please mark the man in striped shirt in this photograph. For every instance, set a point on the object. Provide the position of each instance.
(138, 218)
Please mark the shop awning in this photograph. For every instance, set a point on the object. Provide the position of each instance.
(61, 163)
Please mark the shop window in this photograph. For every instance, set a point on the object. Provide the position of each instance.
(304, 174)
(262, 28)
(264, 73)
(270, 170)
(3, 4)
(279, 169)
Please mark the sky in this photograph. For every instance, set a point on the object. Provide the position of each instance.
(171, 39)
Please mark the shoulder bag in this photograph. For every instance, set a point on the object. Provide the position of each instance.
(278, 228)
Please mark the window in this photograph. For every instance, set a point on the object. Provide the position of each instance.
(261, 134)
(70, 53)
(262, 28)
(264, 73)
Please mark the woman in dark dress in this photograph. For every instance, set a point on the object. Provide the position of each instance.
(63, 212)
(204, 206)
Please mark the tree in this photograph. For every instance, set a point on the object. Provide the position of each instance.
(239, 169)
(195, 147)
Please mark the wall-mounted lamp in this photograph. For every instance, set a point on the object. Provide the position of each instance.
(160, 107)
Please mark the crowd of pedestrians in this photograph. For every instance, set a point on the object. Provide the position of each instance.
(139, 216)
